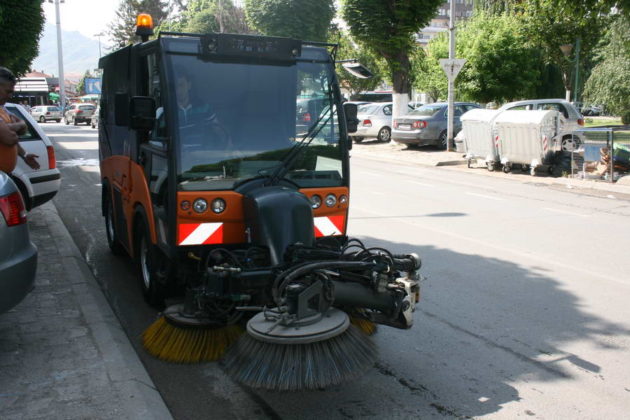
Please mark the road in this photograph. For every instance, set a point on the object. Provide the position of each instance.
(524, 312)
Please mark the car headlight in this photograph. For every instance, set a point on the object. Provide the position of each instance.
(200, 205)
(316, 201)
(218, 205)
(331, 200)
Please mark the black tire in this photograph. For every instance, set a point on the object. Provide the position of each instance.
(507, 169)
(357, 139)
(58, 121)
(442, 140)
(74, 121)
(147, 259)
(570, 143)
(66, 120)
(469, 163)
(384, 135)
(490, 166)
(42, 119)
(112, 240)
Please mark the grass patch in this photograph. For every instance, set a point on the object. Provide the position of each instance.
(601, 121)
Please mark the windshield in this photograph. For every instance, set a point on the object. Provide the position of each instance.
(237, 121)
(426, 110)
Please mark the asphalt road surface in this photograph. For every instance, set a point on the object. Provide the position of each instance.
(525, 312)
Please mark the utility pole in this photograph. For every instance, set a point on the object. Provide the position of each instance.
(62, 87)
(577, 69)
(451, 80)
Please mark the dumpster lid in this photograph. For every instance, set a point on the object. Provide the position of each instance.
(525, 117)
(485, 115)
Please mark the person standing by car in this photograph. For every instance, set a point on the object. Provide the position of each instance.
(10, 147)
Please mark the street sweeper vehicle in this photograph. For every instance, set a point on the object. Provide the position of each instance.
(225, 175)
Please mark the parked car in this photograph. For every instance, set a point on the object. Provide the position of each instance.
(79, 113)
(36, 185)
(18, 255)
(568, 137)
(592, 110)
(308, 111)
(43, 113)
(415, 104)
(427, 125)
(95, 116)
(375, 120)
(372, 96)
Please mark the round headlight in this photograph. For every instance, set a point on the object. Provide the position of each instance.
(343, 199)
(218, 205)
(331, 200)
(185, 205)
(316, 201)
(200, 205)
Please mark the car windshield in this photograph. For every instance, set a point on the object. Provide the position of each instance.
(86, 107)
(367, 109)
(236, 121)
(426, 110)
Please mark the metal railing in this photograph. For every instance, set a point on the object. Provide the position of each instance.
(594, 154)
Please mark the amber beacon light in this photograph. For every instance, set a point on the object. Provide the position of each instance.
(144, 26)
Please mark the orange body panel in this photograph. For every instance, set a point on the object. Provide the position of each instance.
(128, 177)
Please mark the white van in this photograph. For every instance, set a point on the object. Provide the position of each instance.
(36, 185)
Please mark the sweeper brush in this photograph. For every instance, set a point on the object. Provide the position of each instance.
(291, 358)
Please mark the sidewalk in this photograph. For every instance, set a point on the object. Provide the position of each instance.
(63, 353)
(394, 152)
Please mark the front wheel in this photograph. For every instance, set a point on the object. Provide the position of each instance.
(147, 261)
(112, 239)
(442, 140)
(385, 134)
(42, 119)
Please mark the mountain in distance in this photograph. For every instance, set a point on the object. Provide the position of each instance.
(80, 53)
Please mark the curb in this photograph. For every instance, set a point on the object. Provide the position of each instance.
(140, 398)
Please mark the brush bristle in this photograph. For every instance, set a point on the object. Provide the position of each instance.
(365, 326)
(293, 367)
(188, 345)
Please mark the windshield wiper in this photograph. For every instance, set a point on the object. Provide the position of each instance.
(289, 159)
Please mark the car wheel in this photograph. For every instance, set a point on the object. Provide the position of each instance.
(66, 120)
(385, 134)
(112, 240)
(570, 143)
(442, 140)
(42, 119)
(147, 261)
(58, 121)
(357, 139)
(74, 121)
(92, 124)
(507, 169)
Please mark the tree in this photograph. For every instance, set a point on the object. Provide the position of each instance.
(81, 84)
(204, 16)
(609, 82)
(349, 49)
(579, 6)
(430, 77)
(389, 28)
(300, 19)
(122, 30)
(22, 22)
(549, 27)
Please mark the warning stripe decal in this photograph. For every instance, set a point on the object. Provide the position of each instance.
(330, 225)
(200, 233)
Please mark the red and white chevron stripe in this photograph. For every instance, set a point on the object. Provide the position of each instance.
(328, 225)
(200, 233)
(545, 144)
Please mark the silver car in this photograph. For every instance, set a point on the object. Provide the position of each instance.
(569, 137)
(18, 255)
(427, 125)
(375, 120)
(43, 113)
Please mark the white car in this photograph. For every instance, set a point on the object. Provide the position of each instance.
(43, 113)
(569, 137)
(37, 186)
(375, 120)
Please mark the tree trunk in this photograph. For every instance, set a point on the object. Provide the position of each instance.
(401, 70)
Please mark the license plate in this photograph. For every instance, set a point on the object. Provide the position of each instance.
(404, 126)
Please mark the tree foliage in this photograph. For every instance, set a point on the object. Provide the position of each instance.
(300, 19)
(609, 83)
(389, 28)
(122, 30)
(22, 22)
(204, 16)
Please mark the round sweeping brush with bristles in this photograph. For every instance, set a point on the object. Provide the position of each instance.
(181, 342)
(365, 326)
(289, 358)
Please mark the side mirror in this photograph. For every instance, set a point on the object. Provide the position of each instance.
(142, 113)
(352, 122)
(357, 69)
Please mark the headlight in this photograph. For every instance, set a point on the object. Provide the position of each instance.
(331, 200)
(218, 205)
(200, 205)
(316, 201)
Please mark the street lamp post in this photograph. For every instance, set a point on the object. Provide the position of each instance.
(99, 35)
(62, 87)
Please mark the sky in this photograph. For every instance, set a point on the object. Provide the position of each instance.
(89, 17)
